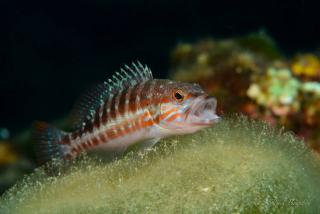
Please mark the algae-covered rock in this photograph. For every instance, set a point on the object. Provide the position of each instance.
(238, 166)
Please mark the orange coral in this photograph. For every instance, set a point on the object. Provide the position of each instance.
(307, 65)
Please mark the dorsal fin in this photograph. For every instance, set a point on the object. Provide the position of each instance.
(86, 107)
(128, 76)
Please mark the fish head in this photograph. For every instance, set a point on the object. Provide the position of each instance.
(187, 109)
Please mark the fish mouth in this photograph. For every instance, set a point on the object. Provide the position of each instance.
(203, 111)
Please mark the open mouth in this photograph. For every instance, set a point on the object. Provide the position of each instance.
(203, 111)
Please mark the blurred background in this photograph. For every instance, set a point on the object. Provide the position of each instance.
(260, 58)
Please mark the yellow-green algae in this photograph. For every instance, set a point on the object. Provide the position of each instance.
(238, 166)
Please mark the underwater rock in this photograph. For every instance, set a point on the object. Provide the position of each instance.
(249, 75)
(224, 67)
(307, 66)
(238, 166)
(277, 90)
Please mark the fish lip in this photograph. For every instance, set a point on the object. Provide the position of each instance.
(208, 122)
(203, 105)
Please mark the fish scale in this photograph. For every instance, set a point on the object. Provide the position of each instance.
(128, 108)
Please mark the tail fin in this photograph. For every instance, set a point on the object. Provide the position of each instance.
(48, 145)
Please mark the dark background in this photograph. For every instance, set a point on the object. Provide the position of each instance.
(51, 51)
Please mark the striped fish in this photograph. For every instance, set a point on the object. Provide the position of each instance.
(130, 107)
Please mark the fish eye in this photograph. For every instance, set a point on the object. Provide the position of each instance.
(178, 95)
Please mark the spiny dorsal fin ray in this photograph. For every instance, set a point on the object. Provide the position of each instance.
(87, 106)
(130, 76)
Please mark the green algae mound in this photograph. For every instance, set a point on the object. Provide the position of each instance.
(238, 166)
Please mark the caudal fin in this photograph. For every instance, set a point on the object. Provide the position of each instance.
(47, 140)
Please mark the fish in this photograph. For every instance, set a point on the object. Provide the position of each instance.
(129, 108)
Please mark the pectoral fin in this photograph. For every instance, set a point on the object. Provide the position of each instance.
(148, 144)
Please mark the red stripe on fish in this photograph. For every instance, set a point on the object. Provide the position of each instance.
(95, 141)
(132, 98)
(113, 106)
(173, 117)
(122, 102)
(114, 131)
(102, 138)
(104, 118)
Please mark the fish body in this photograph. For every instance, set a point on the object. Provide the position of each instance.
(130, 107)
